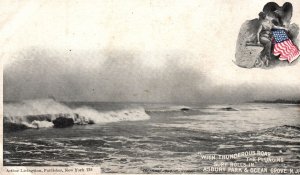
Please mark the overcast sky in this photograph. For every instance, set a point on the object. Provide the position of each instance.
(154, 51)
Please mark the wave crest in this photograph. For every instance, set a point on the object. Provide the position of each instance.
(49, 113)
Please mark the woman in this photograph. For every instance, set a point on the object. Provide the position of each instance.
(264, 37)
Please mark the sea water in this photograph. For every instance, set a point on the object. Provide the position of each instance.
(153, 138)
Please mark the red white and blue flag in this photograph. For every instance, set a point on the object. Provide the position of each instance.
(284, 47)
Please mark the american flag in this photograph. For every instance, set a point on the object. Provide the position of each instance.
(284, 46)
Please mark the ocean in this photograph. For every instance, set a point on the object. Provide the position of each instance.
(150, 138)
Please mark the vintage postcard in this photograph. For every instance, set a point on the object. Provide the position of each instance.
(150, 87)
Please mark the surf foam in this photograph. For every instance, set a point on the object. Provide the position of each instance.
(41, 113)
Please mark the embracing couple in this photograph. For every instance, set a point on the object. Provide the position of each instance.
(273, 35)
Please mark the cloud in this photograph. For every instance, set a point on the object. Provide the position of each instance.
(121, 77)
(124, 76)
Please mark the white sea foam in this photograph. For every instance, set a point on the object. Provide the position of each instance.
(42, 124)
(41, 113)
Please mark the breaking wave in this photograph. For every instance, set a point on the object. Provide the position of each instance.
(169, 109)
(50, 113)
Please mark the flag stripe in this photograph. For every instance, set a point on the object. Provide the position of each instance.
(284, 47)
